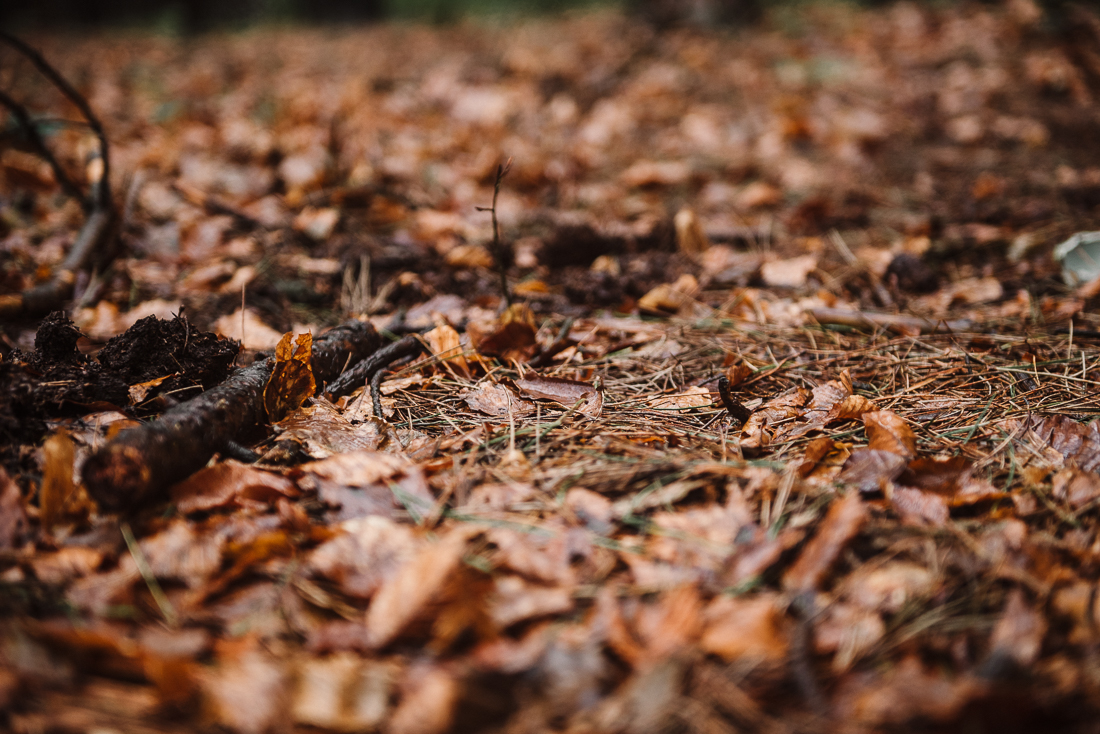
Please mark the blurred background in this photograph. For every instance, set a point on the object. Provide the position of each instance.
(192, 16)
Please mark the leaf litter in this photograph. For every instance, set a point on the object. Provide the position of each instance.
(790, 425)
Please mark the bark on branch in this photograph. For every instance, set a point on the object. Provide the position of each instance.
(137, 466)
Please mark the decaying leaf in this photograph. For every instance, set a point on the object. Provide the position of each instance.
(291, 382)
(566, 393)
(444, 343)
(844, 520)
(690, 237)
(887, 431)
(670, 297)
(693, 397)
(512, 337)
(498, 400)
(230, 483)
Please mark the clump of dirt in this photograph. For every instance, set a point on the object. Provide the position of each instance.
(57, 381)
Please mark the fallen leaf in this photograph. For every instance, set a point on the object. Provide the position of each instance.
(887, 431)
(690, 237)
(497, 400)
(366, 552)
(844, 520)
(790, 273)
(512, 337)
(291, 381)
(445, 345)
(427, 706)
(343, 692)
(746, 629)
(13, 519)
(224, 483)
(693, 397)
(915, 507)
(670, 298)
(563, 392)
(407, 592)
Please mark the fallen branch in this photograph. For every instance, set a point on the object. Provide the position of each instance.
(363, 372)
(137, 466)
(98, 204)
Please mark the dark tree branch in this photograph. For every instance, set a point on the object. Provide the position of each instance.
(101, 215)
(101, 189)
(136, 467)
(30, 130)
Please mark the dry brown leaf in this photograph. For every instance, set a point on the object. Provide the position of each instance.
(343, 692)
(291, 382)
(656, 173)
(670, 298)
(746, 629)
(566, 393)
(431, 693)
(497, 400)
(915, 507)
(790, 273)
(366, 552)
(13, 519)
(887, 431)
(904, 692)
(257, 334)
(755, 432)
(849, 632)
(246, 691)
(406, 593)
(690, 237)
(872, 470)
(515, 600)
(1076, 487)
(693, 397)
(512, 337)
(367, 483)
(738, 372)
(890, 587)
(229, 483)
(58, 493)
(445, 345)
(840, 526)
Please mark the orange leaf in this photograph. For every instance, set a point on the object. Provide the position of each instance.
(291, 380)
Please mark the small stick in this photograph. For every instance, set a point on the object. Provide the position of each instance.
(498, 248)
(732, 405)
(407, 346)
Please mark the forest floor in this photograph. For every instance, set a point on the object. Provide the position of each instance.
(787, 427)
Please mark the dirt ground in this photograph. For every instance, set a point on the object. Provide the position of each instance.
(781, 422)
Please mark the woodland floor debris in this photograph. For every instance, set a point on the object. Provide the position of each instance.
(842, 478)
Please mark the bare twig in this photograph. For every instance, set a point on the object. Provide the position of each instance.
(499, 255)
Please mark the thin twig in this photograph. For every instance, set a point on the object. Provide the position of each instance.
(498, 248)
